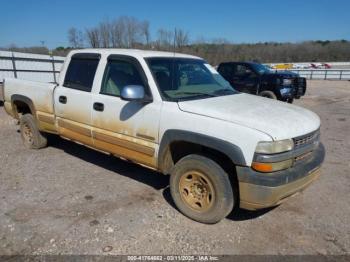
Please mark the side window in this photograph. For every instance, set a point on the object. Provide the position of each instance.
(162, 71)
(118, 74)
(81, 73)
(243, 70)
(226, 70)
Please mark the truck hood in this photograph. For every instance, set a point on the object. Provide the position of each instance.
(281, 74)
(277, 119)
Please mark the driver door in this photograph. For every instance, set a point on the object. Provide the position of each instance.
(246, 79)
(128, 129)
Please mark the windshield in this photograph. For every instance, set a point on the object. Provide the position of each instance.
(261, 69)
(182, 78)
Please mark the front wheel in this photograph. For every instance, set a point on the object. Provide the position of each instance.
(268, 94)
(201, 189)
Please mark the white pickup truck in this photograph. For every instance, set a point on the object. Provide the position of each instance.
(174, 113)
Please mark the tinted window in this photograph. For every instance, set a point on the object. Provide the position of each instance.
(244, 71)
(226, 70)
(118, 74)
(261, 69)
(80, 74)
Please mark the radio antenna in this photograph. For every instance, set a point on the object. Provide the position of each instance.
(173, 63)
(174, 44)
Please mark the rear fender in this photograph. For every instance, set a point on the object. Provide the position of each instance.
(25, 100)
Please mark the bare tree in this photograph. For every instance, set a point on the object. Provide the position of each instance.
(145, 32)
(132, 31)
(181, 38)
(105, 34)
(75, 37)
(129, 32)
(118, 33)
(165, 39)
(93, 37)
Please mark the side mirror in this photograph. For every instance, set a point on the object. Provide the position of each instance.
(134, 93)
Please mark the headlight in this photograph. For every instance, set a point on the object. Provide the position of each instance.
(273, 147)
(285, 90)
(287, 82)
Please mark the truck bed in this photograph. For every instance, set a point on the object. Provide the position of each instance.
(41, 94)
(1, 94)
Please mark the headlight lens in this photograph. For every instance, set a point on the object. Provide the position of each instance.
(285, 90)
(273, 147)
(287, 82)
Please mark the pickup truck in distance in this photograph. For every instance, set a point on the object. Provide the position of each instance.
(257, 79)
(175, 114)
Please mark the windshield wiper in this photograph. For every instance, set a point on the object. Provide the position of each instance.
(195, 93)
(224, 91)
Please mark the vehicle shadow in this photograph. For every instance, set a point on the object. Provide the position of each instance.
(138, 173)
(111, 163)
(237, 214)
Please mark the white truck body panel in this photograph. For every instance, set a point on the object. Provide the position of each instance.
(41, 93)
(275, 118)
(243, 137)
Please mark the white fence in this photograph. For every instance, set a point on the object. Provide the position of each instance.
(42, 68)
(45, 68)
(325, 74)
(333, 64)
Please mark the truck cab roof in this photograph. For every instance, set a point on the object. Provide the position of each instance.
(133, 52)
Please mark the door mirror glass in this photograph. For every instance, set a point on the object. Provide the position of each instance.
(133, 93)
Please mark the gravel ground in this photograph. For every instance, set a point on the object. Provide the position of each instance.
(68, 199)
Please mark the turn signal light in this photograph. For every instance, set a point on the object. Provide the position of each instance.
(272, 167)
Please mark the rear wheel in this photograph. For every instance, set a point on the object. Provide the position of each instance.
(201, 189)
(31, 136)
(268, 94)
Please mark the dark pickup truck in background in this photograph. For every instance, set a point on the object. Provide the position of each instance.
(254, 78)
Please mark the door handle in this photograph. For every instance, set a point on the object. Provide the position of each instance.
(99, 106)
(62, 99)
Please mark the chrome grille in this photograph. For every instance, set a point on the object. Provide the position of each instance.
(306, 139)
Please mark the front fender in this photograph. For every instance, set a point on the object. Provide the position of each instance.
(230, 150)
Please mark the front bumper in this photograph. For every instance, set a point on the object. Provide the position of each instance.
(287, 92)
(260, 190)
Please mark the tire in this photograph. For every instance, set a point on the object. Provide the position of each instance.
(31, 136)
(290, 100)
(268, 94)
(201, 189)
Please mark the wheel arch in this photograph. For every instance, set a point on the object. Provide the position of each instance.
(22, 104)
(176, 144)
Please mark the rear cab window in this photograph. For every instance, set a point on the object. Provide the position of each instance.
(81, 71)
